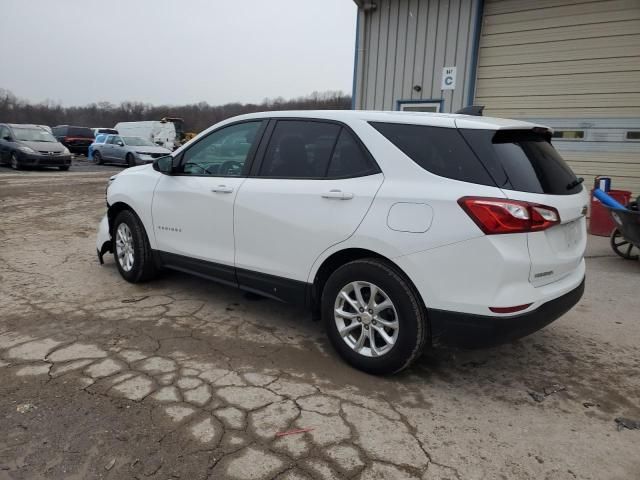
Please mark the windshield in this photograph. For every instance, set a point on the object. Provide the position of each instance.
(33, 135)
(137, 142)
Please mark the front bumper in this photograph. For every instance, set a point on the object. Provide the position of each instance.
(476, 331)
(103, 240)
(37, 160)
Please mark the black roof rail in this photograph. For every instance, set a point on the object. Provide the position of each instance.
(475, 110)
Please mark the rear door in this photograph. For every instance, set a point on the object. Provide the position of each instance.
(117, 152)
(106, 149)
(527, 167)
(311, 190)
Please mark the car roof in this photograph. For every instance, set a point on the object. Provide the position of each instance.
(24, 125)
(451, 120)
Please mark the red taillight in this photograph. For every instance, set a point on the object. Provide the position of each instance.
(517, 308)
(500, 215)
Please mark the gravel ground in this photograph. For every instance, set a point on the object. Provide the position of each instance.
(182, 378)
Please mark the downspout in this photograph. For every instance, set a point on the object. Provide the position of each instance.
(363, 8)
(473, 71)
(355, 62)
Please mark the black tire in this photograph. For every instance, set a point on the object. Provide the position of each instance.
(64, 168)
(15, 161)
(411, 316)
(131, 161)
(143, 266)
(623, 247)
(97, 158)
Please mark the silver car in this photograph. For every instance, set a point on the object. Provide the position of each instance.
(128, 150)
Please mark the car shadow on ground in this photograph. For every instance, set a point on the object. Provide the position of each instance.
(558, 362)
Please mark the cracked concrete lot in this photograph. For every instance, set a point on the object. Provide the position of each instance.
(183, 378)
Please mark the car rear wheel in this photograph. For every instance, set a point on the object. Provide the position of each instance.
(15, 161)
(131, 249)
(373, 316)
(97, 158)
(131, 161)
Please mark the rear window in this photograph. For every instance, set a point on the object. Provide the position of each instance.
(79, 132)
(523, 160)
(439, 150)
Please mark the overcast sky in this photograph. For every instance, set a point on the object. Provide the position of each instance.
(175, 51)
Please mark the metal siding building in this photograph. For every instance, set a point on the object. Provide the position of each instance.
(406, 43)
(573, 65)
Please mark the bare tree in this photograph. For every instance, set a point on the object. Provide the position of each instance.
(197, 116)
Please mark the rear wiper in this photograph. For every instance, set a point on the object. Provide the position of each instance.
(575, 183)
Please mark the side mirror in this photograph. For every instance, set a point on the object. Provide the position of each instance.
(163, 165)
(120, 144)
(8, 138)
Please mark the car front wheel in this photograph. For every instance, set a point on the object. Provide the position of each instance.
(373, 316)
(15, 161)
(131, 249)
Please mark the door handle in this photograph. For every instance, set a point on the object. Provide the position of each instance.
(222, 189)
(338, 194)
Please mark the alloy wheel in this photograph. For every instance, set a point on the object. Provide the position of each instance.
(366, 319)
(124, 247)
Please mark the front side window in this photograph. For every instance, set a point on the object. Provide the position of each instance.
(4, 133)
(223, 153)
(300, 149)
(111, 140)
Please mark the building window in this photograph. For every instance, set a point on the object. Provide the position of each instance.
(569, 134)
(633, 135)
(428, 106)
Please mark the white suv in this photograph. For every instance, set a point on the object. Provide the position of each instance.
(397, 229)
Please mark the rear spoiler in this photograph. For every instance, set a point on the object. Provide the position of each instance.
(475, 110)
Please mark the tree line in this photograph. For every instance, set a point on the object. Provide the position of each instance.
(197, 116)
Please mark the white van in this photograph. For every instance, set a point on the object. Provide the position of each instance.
(160, 133)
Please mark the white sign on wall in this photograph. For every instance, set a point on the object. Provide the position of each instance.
(448, 78)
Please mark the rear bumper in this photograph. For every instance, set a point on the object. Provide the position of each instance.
(475, 331)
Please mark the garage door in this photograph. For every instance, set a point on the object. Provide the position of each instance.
(573, 65)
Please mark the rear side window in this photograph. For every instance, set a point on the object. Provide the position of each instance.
(80, 132)
(299, 149)
(349, 159)
(523, 160)
(441, 151)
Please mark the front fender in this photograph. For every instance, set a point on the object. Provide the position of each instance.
(135, 188)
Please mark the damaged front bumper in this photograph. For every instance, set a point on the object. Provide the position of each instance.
(103, 242)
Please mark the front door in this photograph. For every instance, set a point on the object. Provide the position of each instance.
(314, 187)
(193, 209)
